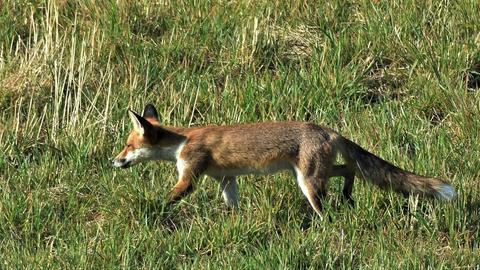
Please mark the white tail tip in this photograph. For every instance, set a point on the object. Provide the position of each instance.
(446, 192)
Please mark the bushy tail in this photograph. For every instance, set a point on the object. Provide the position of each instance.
(387, 176)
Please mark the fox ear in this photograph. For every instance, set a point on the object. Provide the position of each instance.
(150, 111)
(140, 124)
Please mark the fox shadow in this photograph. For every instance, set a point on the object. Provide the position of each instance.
(159, 213)
(171, 217)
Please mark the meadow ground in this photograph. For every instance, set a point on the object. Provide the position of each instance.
(401, 78)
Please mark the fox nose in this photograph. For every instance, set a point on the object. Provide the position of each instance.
(120, 160)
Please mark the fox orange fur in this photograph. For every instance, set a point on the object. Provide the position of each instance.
(306, 149)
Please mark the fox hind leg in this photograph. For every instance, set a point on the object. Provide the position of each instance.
(314, 188)
(348, 173)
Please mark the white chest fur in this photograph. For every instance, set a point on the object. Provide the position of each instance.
(181, 164)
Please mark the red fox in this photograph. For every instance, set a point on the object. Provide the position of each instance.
(306, 149)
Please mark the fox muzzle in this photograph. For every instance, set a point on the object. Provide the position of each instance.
(121, 163)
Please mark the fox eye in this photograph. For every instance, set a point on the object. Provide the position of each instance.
(129, 145)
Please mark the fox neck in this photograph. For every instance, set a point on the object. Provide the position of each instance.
(170, 147)
(169, 152)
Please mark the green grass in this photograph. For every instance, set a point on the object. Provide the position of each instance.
(396, 77)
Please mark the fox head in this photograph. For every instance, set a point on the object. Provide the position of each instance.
(141, 141)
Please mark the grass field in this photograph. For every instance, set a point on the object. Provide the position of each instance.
(401, 78)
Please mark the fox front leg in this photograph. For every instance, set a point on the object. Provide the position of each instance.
(182, 188)
(188, 173)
